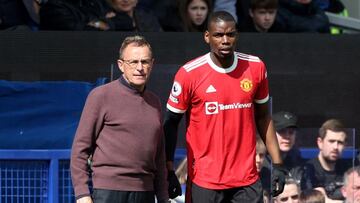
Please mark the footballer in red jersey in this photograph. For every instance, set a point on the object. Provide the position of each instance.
(224, 96)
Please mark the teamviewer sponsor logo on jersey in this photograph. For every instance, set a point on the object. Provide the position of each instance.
(215, 107)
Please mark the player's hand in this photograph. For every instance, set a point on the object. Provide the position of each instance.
(86, 199)
(174, 185)
(278, 179)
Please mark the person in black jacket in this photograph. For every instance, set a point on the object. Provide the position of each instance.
(302, 16)
(325, 172)
(13, 15)
(96, 15)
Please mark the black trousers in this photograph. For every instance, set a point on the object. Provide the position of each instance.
(248, 194)
(113, 196)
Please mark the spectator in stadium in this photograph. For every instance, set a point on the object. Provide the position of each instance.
(332, 6)
(311, 196)
(119, 15)
(228, 6)
(351, 188)
(291, 192)
(336, 7)
(286, 128)
(265, 175)
(194, 14)
(325, 172)
(262, 17)
(14, 14)
(121, 130)
(222, 122)
(302, 16)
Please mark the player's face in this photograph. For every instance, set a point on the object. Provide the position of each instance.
(197, 11)
(332, 145)
(136, 64)
(352, 190)
(289, 195)
(286, 138)
(263, 18)
(221, 36)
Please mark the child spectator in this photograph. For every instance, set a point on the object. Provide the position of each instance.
(263, 15)
(194, 14)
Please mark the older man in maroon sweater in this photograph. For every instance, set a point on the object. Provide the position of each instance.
(121, 130)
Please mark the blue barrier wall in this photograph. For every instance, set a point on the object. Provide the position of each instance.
(41, 114)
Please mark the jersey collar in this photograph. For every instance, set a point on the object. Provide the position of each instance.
(220, 69)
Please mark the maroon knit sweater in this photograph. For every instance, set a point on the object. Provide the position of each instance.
(122, 129)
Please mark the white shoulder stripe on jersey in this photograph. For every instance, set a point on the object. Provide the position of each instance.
(262, 101)
(194, 67)
(175, 110)
(248, 57)
(195, 62)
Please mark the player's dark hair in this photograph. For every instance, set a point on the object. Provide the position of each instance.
(219, 16)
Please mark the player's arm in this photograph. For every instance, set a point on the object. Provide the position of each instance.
(266, 130)
(171, 124)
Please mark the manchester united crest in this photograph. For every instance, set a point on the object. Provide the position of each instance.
(246, 85)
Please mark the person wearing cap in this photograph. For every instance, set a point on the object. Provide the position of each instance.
(285, 124)
(286, 128)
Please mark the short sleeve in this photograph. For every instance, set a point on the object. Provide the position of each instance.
(262, 94)
(180, 93)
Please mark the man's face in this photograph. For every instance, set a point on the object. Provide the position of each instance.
(286, 138)
(124, 5)
(136, 64)
(351, 191)
(221, 36)
(332, 145)
(289, 195)
(197, 11)
(263, 18)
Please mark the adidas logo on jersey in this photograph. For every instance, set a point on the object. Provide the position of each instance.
(210, 89)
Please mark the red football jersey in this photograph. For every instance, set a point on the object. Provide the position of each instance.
(219, 106)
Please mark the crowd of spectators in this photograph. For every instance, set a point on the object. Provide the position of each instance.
(168, 16)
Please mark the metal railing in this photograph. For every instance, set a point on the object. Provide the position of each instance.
(43, 176)
(349, 24)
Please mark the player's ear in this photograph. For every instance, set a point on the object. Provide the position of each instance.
(206, 36)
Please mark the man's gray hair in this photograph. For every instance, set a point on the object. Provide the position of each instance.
(137, 40)
(355, 169)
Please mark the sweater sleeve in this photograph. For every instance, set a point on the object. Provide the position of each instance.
(160, 181)
(83, 145)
